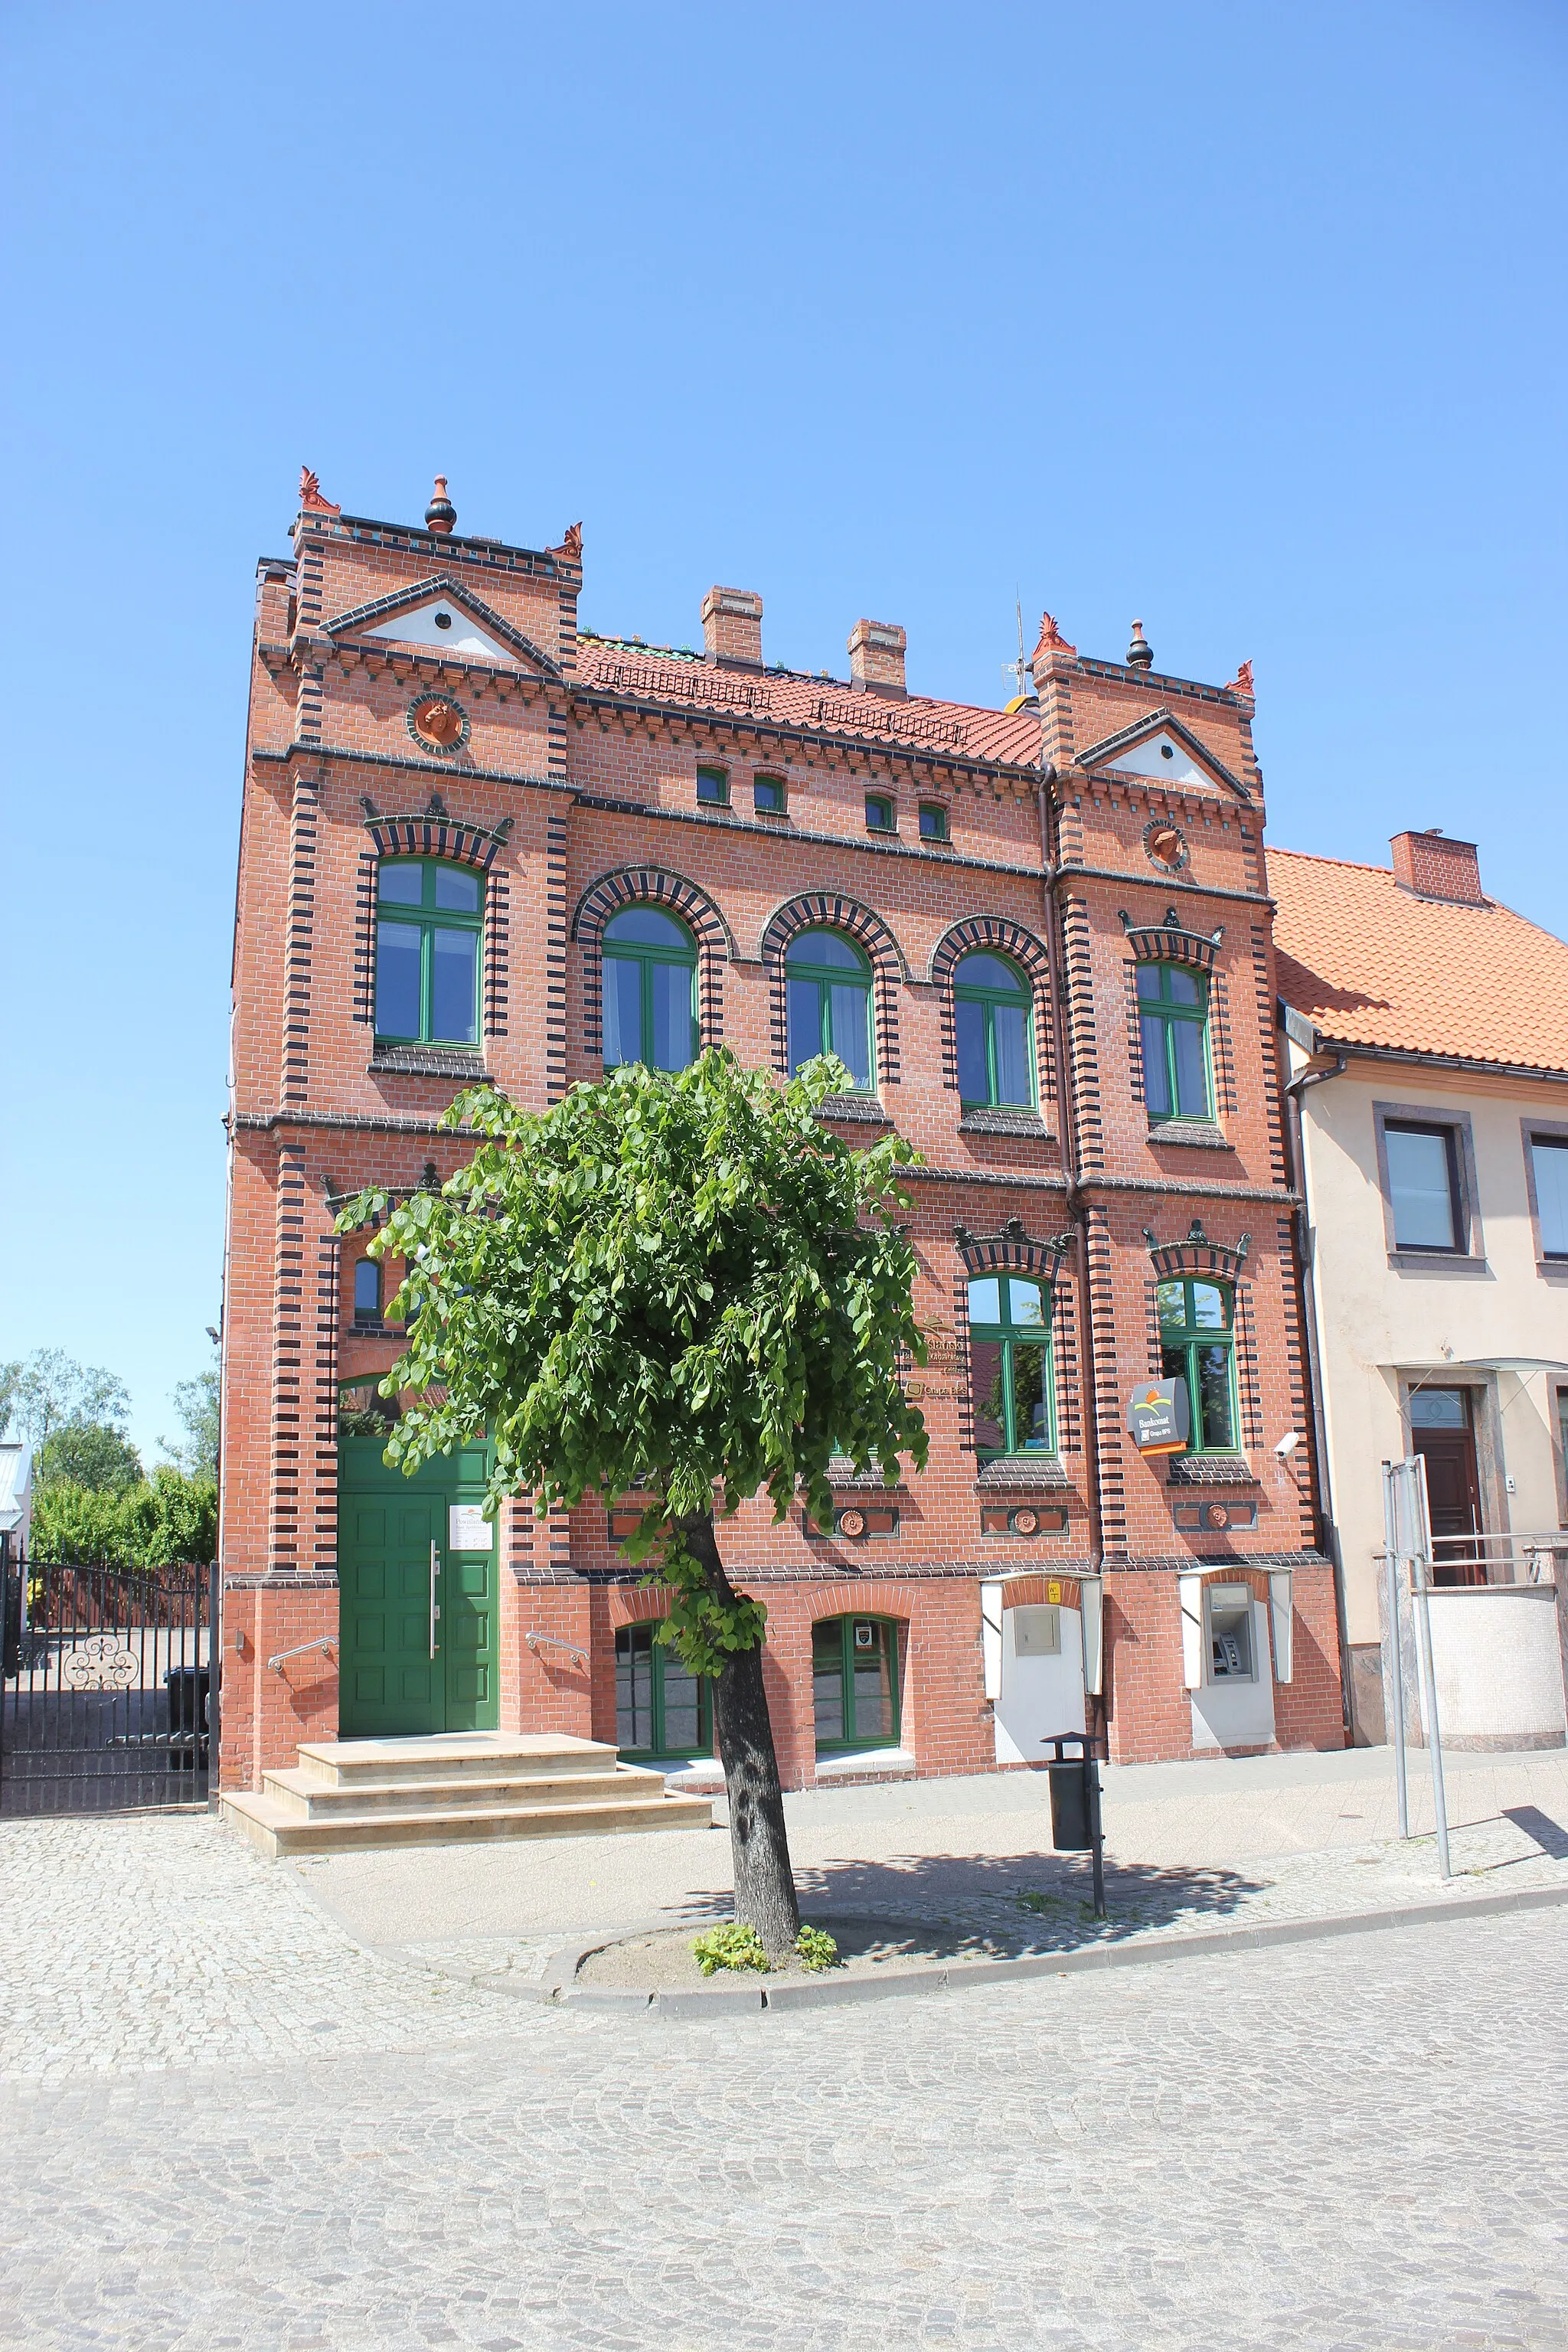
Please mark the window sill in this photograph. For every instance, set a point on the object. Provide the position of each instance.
(846, 1762)
(1198, 1134)
(1210, 1470)
(770, 817)
(843, 1476)
(1553, 1269)
(866, 1108)
(377, 1330)
(429, 1061)
(1000, 1118)
(1436, 1262)
(1011, 1470)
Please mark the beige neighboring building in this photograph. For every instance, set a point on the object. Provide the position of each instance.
(1427, 1093)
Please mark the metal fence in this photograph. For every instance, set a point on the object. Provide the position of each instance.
(106, 1701)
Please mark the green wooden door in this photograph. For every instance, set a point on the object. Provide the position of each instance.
(418, 1596)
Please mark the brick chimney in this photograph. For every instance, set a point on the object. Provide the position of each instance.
(877, 658)
(1435, 867)
(733, 627)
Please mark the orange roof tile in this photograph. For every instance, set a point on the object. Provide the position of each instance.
(825, 706)
(1372, 964)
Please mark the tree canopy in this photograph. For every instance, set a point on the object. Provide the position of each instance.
(682, 1287)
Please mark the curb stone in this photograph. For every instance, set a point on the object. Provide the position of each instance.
(556, 1989)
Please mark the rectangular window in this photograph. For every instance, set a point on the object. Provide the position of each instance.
(712, 787)
(661, 1706)
(427, 953)
(1011, 1385)
(933, 820)
(1550, 1160)
(367, 1291)
(854, 1681)
(1197, 1346)
(768, 795)
(1172, 1019)
(1423, 1186)
(879, 814)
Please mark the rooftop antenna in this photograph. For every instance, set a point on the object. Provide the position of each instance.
(1018, 671)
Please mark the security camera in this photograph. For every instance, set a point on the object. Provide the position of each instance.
(1288, 1444)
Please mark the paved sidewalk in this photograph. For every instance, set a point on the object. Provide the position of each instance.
(1190, 1848)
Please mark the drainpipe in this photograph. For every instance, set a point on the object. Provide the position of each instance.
(1067, 1140)
(1293, 1090)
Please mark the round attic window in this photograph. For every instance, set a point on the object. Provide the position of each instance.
(444, 621)
(1167, 752)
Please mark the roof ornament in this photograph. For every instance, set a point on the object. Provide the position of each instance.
(1140, 653)
(572, 544)
(1052, 639)
(1242, 682)
(311, 498)
(440, 514)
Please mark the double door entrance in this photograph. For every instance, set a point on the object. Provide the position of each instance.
(417, 1580)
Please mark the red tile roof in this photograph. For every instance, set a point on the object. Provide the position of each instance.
(1372, 964)
(823, 705)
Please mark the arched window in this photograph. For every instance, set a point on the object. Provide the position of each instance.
(1197, 1345)
(1011, 1380)
(995, 1031)
(1174, 1018)
(650, 991)
(661, 1706)
(367, 1290)
(854, 1681)
(830, 984)
(427, 952)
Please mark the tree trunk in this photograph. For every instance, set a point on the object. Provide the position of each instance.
(759, 1844)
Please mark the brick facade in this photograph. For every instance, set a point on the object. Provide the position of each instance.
(569, 783)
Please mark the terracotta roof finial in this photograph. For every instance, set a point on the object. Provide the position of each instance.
(311, 498)
(440, 514)
(1051, 640)
(1242, 682)
(1140, 653)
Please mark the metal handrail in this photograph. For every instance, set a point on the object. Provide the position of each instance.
(1502, 1558)
(326, 1642)
(554, 1642)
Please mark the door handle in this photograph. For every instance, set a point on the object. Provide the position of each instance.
(435, 1572)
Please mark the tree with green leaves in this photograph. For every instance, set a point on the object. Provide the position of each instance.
(51, 1390)
(196, 1400)
(89, 1453)
(681, 1287)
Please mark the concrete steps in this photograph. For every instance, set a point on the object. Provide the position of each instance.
(464, 1785)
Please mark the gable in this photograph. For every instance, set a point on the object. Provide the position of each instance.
(443, 622)
(437, 616)
(1161, 748)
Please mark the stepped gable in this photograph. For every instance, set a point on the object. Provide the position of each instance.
(1370, 963)
(661, 674)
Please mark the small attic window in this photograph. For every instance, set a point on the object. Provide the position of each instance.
(1167, 751)
(444, 621)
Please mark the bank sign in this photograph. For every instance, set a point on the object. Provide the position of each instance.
(1157, 1416)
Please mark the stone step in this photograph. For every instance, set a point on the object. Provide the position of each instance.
(304, 1798)
(453, 1755)
(278, 1832)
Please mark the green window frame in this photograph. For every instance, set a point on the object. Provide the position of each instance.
(1197, 1344)
(828, 987)
(934, 821)
(994, 1029)
(1173, 1025)
(662, 1708)
(712, 788)
(768, 795)
(648, 988)
(855, 1683)
(882, 814)
(429, 920)
(1012, 1374)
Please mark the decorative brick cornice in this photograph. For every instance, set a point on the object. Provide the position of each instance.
(1104, 754)
(1197, 1255)
(435, 833)
(423, 592)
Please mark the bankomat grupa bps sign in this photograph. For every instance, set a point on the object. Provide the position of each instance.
(1157, 1416)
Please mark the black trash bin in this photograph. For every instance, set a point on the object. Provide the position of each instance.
(1075, 1804)
(187, 1689)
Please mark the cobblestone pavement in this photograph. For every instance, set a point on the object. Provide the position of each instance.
(1352, 2142)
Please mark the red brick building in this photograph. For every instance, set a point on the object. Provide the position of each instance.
(480, 843)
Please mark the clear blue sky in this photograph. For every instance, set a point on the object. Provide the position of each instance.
(1249, 320)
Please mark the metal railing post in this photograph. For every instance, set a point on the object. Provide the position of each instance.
(1419, 1585)
(1395, 1664)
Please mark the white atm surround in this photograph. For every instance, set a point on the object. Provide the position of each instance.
(1227, 1714)
(1038, 1690)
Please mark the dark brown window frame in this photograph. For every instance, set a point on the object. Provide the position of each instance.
(1470, 1252)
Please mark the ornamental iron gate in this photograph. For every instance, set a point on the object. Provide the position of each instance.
(104, 1701)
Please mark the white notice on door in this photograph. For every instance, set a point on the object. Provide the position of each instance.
(467, 1529)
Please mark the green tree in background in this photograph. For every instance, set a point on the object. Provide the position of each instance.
(681, 1287)
(197, 1403)
(89, 1453)
(51, 1390)
(92, 1499)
